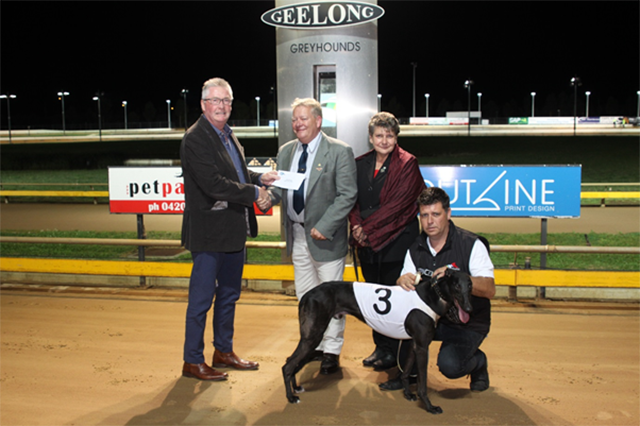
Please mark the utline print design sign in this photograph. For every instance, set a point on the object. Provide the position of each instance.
(509, 191)
(317, 15)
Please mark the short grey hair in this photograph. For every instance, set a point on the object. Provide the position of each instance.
(216, 82)
(386, 120)
(316, 108)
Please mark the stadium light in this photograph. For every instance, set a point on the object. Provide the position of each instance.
(588, 93)
(467, 85)
(184, 96)
(61, 96)
(533, 104)
(426, 97)
(169, 112)
(97, 98)
(575, 82)
(124, 105)
(8, 98)
(258, 111)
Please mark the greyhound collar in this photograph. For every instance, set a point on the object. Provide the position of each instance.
(436, 288)
(425, 272)
(434, 282)
(420, 272)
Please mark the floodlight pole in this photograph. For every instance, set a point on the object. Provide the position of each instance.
(97, 98)
(533, 104)
(124, 105)
(588, 93)
(184, 96)
(426, 97)
(575, 82)
(415, 65)
(61, 96)
(169, 112)
(258, 111)
(8, 98)
(468, 84)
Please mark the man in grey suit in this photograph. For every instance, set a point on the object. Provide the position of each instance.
(315, 216)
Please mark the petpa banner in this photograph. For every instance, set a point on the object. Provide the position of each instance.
(146, 190)
(509, 191)
(153, 190)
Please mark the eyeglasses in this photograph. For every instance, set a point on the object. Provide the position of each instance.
(218, 101)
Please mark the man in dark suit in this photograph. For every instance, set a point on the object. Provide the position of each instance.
(218, 216)
(315, 216)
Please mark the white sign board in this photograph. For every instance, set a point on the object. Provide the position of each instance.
(146, 190)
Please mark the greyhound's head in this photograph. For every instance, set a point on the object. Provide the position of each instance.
(454, 288)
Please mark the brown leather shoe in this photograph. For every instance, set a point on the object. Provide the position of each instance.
(230, 359)
(202, 372)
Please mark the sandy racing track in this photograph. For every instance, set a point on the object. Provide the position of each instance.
(87, 356)
(83, 356)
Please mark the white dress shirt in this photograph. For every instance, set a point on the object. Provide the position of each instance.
(312, 149)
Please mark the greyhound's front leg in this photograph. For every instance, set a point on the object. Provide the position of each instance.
(290, 381)
(408, 366)
(422, 329)
(422, 355)
(296, 388)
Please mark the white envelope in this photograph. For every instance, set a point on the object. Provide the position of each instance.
(289, 180)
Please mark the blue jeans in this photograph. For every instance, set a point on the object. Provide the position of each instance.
(459, 353)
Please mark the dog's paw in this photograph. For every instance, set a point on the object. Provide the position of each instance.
(298, 389)
(434, 409)
(294, 400)
(410, 396)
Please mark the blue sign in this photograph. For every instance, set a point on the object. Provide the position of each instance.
(509, 191)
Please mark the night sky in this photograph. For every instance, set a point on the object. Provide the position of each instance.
(147, 52)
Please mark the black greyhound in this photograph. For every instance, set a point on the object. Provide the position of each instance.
(450, 295)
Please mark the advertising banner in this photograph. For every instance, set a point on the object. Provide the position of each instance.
(439, 121)
(558, 120)
(509, 191)
(151, 190)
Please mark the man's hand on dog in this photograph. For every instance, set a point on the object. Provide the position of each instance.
(408, 280)
(439, 273)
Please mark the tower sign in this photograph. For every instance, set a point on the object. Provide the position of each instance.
(328, 50)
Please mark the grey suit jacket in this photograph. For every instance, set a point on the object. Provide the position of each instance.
(330, 194)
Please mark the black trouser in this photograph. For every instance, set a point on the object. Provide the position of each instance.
(383, 273)
(459, 354)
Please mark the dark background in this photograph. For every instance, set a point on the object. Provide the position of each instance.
(603, 158)
(147, 52)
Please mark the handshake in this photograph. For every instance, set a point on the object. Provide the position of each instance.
(264, 197)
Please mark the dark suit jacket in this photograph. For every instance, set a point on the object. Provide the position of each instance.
(215, 201)
(330, 195)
